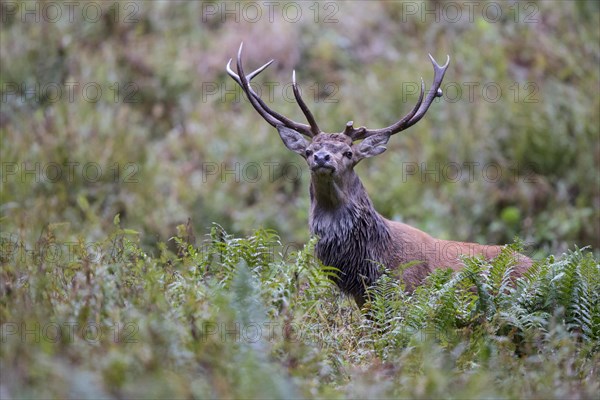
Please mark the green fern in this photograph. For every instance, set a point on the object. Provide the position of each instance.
(384, 316)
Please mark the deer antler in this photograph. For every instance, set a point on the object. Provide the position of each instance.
(311, 130)
(414, 115)
(271, 116)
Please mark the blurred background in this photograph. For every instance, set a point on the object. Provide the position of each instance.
(125, 108)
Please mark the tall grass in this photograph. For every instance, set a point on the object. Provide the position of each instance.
(233, 317)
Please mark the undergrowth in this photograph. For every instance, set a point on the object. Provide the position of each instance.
(240, 317)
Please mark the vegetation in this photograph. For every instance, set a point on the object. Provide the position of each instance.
(122, 135)
(234, 318)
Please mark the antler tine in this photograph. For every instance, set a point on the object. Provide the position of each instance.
(271, 116)
(415, 114)
(362, 133)
(252, 95)
(245, 83)
(278, 118)
(250, 75)
(309, 116)
(435, 91)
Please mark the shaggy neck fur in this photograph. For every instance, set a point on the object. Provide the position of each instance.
(353, 237)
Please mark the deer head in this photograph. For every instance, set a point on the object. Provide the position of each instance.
(333, 154)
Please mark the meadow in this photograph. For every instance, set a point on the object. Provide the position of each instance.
(153, 228)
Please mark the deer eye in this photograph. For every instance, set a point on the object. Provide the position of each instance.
(308, 153)
(348, 154)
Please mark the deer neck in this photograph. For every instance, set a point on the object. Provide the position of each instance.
(328, 193)
(341, 203)
(353, 237)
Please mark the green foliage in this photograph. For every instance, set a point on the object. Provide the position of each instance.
(483, 300)
(237, 317)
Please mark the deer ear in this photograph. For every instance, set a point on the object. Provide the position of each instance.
(293, 140)
(372, 146)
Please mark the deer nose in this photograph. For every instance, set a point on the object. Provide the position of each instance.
(322, 156)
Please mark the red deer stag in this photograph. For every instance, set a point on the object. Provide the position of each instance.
(352, 236)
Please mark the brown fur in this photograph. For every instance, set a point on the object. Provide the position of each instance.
(357, 240)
